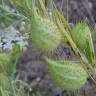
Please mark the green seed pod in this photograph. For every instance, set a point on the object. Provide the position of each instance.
(45, 34)
(81, 35)
(67, 74)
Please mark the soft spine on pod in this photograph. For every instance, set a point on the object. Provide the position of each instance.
(67, 74)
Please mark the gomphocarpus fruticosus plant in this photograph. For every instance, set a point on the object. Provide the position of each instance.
(47, 34)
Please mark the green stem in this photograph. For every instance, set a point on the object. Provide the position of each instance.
(50, 7)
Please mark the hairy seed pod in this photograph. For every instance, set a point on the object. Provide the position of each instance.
(81, 35)
(45, 35)
(67, 74)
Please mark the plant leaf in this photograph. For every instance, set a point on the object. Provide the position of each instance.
(7, 17)
(1, 91)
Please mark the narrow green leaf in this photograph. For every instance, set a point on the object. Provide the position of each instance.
(4, 61)
(14, 55)
(25, 7)
(7, 17)
(1, 91)
(5, 83)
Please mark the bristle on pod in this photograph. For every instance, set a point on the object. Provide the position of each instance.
(45, 35)
(67, 74)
